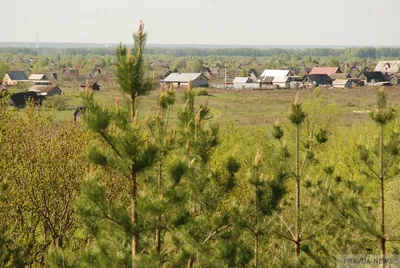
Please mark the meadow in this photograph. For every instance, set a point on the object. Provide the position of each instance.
(251, 108)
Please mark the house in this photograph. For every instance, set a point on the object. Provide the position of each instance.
(21, 99)
(317, 80)
(216, 69)
(253, 75)
(240, 82)
(340, 76)
(372, 77)
(206, 72)
(394, 79)
(342, 83)
(46, 90)
(389, 67)
(273, 77)
(14, 77)
(325, 70)
(54, 76)
(281, 81)
(37, 77)
(96, 71)
(183, 79)
(71, 72)
(93, 85)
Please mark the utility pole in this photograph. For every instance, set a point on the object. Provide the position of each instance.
(225, 75)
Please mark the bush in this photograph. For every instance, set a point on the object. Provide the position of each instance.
(58, 102)
(201, 91)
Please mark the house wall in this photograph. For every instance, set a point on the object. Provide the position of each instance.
(394, 81)
(282, 84)
(200, 82)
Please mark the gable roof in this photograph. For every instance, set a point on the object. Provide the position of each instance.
(254, 72)
(373, 76)
(265, 79)
(37, 77)
(274, 73)
(43, 89)
(241, 80)
(340, 76)
(390, 67)
(322, 79)
(17, 75)
(183, 77)
(325, 70)
(340, 82)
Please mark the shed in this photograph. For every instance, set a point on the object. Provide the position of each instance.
(54, 76)
(14, 77)
(341, 83)
(240, 82)
(183, 79)
(317, 79)
(96, 71)
(325, 70)
(93, 85)
(395, 79)
(20, 99)
(37, 77)
(46, 90)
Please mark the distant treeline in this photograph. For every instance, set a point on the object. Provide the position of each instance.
(365, 52)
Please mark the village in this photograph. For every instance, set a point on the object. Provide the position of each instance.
(38, 86)
(385, 73)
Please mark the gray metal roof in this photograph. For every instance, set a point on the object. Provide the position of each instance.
(182, 77)
(241, 80)
(17, 75)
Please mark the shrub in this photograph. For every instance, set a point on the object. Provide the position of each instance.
(201, 91)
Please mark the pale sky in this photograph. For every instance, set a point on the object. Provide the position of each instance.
(224, 22)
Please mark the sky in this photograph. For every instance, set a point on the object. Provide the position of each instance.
(218, 22)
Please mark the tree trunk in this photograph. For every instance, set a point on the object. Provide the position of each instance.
(298, 219)
(135, 236)
(158, 230)
(382, 199)
(190, 262)
(256, 251)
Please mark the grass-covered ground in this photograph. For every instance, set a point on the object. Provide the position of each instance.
(244, 107)
(254, 108)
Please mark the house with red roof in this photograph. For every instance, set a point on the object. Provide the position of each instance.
(326, 70)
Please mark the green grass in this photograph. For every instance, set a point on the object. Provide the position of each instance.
(252, 108)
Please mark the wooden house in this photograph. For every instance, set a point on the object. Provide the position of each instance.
(325, 70)
(14, 77)
(92, 85)
(183, 80)
(46, 90)
(317, 80)
(372, 77)
(37, 77)
(342, 83)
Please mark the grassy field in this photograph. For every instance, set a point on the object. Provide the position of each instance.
(254, 108)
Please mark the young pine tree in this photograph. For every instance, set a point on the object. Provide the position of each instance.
(125, 146)
(304, 220)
